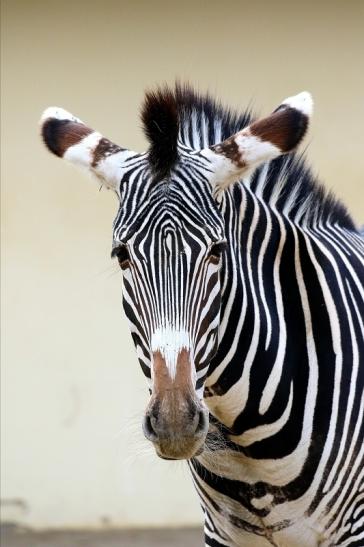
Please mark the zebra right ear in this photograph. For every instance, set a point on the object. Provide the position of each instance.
(262, 141)
(68, 137)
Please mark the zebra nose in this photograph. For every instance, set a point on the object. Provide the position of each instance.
(184, 427)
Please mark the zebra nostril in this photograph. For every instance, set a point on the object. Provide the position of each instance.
(148, 429)
(202, 422)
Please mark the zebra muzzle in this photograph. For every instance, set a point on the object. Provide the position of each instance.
(176, 427)
(176, 421)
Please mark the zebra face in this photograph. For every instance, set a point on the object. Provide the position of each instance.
(170, 251)
(169, 236)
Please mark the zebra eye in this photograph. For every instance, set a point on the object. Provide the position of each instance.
(216, 251)
(122, 254)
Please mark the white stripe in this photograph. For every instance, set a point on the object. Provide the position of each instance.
(170, 341)
(276, 372)
(261, 432)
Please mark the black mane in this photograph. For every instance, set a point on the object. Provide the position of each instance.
(167, 116)
(180, 115)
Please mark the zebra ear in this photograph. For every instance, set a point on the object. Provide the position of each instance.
(262, 141)
(68, 137)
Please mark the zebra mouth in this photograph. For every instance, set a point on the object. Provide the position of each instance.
(182, 457)
(168, 458)
(178, 452)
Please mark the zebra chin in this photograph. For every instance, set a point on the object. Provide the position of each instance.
(171, 451)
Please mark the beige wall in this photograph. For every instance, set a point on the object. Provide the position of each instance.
(73, 453)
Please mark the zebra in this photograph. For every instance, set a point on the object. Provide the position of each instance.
(243, 288)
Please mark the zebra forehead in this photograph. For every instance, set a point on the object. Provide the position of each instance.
(176, 236)
(182, 212)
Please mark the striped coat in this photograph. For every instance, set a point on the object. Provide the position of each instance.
(243, 287)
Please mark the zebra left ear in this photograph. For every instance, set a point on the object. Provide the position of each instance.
(68, 137)
(262, 141)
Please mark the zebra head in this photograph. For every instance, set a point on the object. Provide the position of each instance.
(170, 239)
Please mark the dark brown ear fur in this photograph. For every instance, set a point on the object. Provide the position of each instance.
(59, 135)
(285, 128)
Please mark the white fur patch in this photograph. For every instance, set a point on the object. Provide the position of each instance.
(263, 502)
(58, 113)
(107, 170)
(224, 171)
(82, 152)
(253, 150)
(302, 102)
(170, 341)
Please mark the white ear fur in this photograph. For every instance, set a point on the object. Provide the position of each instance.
(58, 113)
(302, 102)
(261, 141)
(68, 137)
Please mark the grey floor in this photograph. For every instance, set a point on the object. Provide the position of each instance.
(13, 536)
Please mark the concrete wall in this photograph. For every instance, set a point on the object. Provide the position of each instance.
(73, 394)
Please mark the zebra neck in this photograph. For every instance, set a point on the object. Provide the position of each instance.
(253, 382)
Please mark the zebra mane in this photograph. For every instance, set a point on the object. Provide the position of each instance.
(177, 116)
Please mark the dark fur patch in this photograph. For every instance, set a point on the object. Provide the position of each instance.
(161, 126)
(59, 135)
(285, 128)
(104, 149)
(231, 150)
